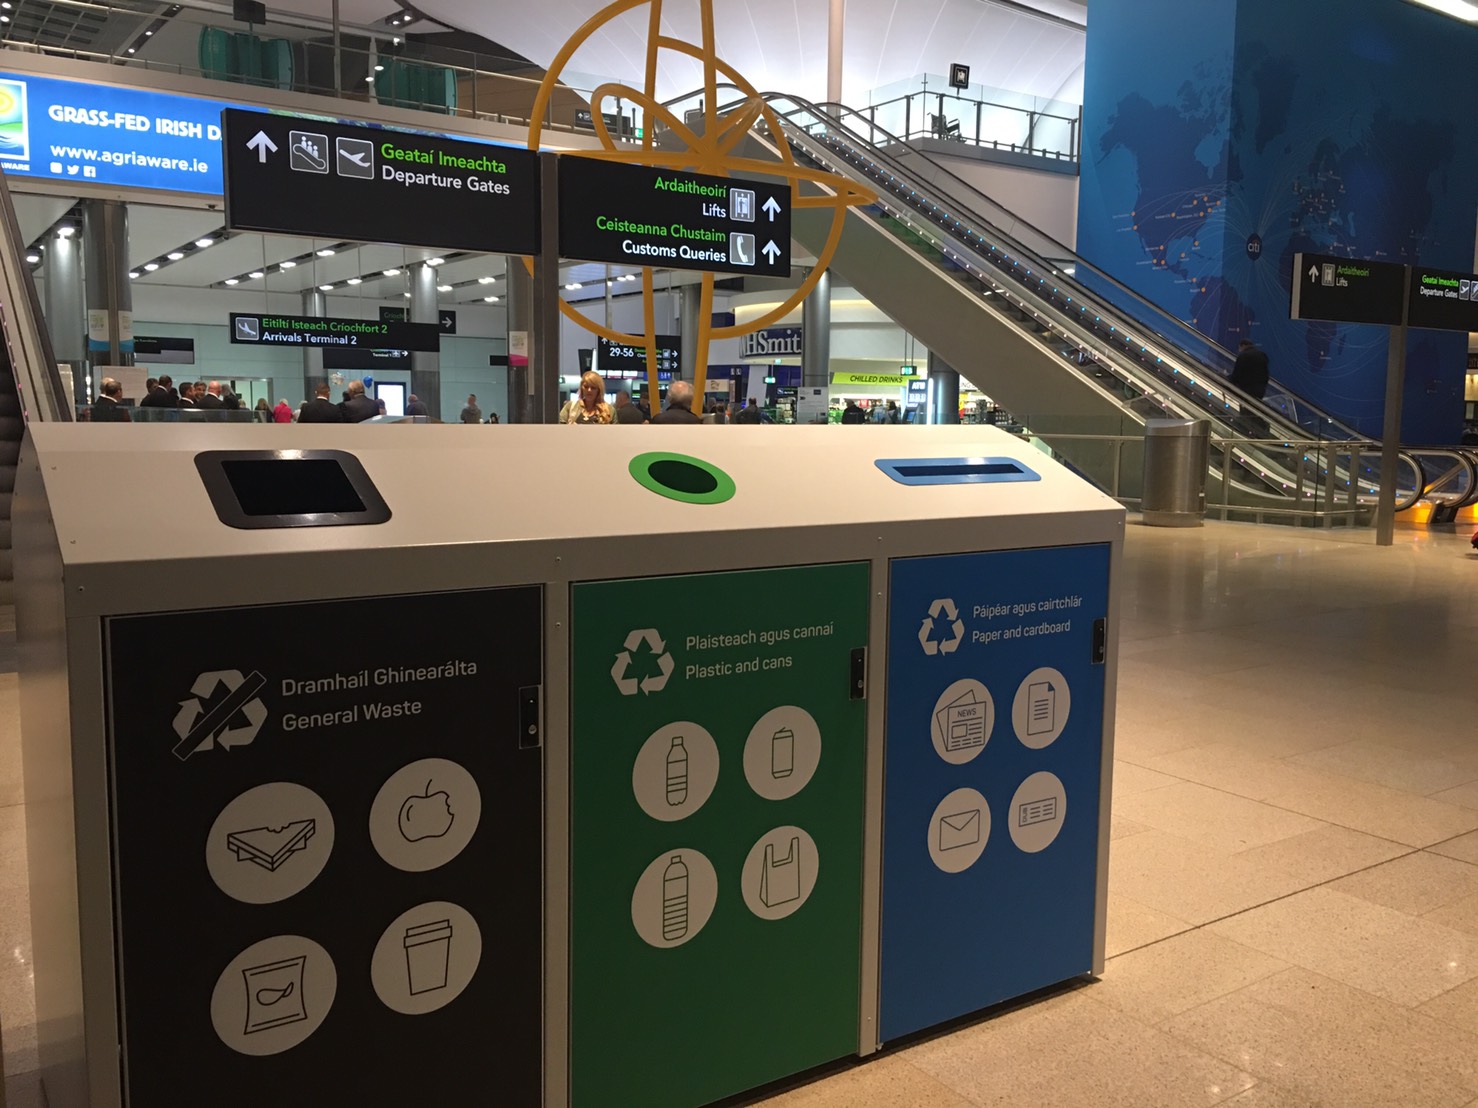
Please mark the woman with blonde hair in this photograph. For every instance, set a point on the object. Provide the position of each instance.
(589, 405)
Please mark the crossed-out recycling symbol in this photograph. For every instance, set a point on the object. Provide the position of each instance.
(655, 682)
(945, 608)
(205, 719)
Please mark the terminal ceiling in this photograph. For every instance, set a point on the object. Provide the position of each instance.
(1028, 46)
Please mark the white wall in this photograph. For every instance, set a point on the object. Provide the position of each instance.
(1048, 201)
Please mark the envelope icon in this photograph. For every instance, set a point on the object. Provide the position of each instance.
(959, 829)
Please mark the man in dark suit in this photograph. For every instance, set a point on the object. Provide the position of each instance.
(211, 401)
(358, 407)
(415, 406)
(187, 395)
(107, 409)
(160, 395)
(679, 405)
(1250, 372)
(321, 409)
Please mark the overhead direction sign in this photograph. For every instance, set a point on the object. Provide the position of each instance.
(265, 329)
(1443, 300)
(640, 215)
(614, 358)
(295, 176)
(1347, 290)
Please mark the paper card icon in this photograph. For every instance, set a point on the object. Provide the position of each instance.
(959, 829)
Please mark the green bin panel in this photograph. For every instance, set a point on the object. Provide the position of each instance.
(717, 809)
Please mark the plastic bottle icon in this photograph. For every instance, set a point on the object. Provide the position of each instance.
(675, 898)
(782, 753)
(677, 774)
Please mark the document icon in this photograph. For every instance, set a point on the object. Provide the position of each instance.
(962, 722)
(959, 829)
(1041, 708)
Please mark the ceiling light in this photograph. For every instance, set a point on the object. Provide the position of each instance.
(436, 261)
(6, 5)
(489, 299)
(6, 19)
(392, 273)
(288, 265)
(149, 267)
(148, 33)
(66, 231)
(203, 243)
(371, 80)
(325, 288)
(133, 276)
(355, 281)
(486, 280)
(254, 274)
(443, 288)
(1458, 9)
(175, 255)
(326, 252)
(406, 295)
(379, 69)
(573, 285)
(233, 280)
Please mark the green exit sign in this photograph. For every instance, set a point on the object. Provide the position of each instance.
(769, 380)
(908, 371)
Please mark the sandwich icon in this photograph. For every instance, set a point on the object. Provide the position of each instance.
(270, 847)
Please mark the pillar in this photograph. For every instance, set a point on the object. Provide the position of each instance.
(108, 297)
(426, 364)
(689, 300)
(836, 18)
(519, 302)
(66, 312)
(944, 391)
(315, 304)
(816, 335)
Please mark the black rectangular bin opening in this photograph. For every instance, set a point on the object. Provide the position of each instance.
(955, 471)
(256, 489)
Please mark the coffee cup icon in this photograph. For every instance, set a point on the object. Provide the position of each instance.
(428, 950)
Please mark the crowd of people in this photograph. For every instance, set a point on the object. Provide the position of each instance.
(589, 405)
(162, 392)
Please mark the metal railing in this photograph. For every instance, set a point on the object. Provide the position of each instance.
(953, 117)
(27, 341)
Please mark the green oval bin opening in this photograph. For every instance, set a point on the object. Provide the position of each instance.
(682, 477)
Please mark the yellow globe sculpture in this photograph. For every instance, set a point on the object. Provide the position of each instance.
(710, 152)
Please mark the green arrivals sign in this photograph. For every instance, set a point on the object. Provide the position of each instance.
(717, 812)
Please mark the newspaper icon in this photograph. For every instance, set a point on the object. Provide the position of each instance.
(962, 722)
(1041, 708)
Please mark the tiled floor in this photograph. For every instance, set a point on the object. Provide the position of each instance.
(1293, 896)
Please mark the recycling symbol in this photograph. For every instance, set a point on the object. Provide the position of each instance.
(224, 711)
(946, 609)
(654, 682)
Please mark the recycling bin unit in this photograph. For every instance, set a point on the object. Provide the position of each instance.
(547, 762)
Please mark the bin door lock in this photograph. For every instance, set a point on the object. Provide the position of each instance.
(858, 689)
(1100, 641)
(530, 732)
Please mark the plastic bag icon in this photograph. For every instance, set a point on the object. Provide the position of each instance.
(780, 878)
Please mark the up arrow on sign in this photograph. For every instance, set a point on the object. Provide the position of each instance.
(771, 252)
(1313, 273)
(772, 208)
(261, 144)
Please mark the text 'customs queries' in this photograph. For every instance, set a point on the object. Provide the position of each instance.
(640, 215)
(295, 176)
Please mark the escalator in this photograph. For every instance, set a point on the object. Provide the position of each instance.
(1075, 356)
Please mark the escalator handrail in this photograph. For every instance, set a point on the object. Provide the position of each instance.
(32, 359)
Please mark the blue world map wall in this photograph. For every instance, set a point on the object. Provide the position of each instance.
(1218, 142)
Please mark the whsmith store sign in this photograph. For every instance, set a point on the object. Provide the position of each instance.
(773, 342)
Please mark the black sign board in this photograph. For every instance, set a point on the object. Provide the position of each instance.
(1442, 300)
(363, 359)
(638, 215)
(1347, 290)
(394, 315)
(447, 321)
(167, 348)
(327, 841)
(329, 331)
(329, 180)
(615, 359)
(959, 76)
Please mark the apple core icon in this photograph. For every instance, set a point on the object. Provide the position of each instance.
(425, 814)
